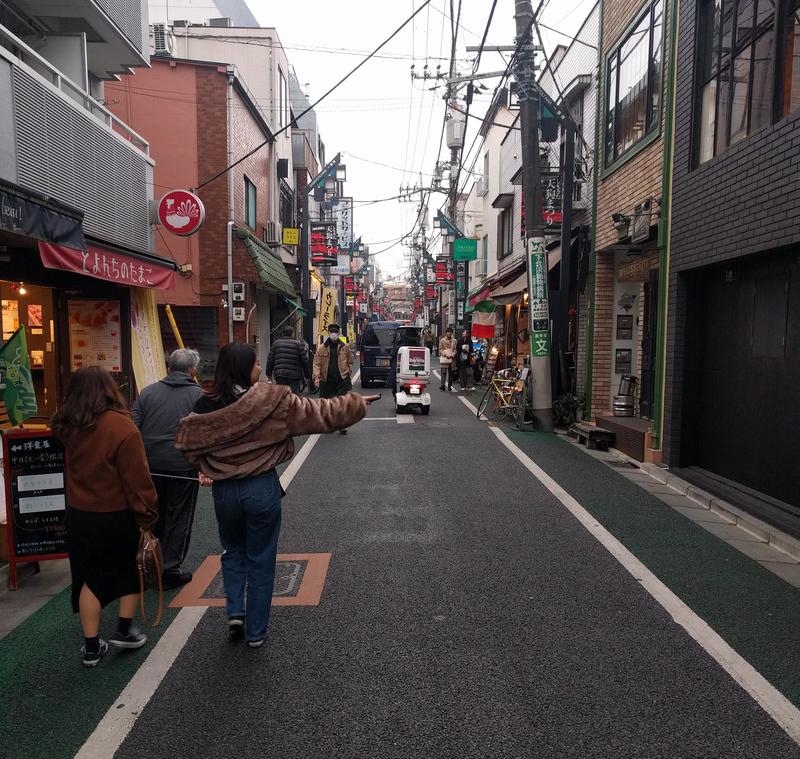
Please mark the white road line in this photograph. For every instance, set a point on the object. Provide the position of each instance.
(437, 375)
(405, 419)
(120, 718)
(774, 703)
(473, 409)
(379, 419)
(356, 376)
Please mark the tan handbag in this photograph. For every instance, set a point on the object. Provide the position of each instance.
(150, 566)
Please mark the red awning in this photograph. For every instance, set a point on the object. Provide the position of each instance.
(110, 265)
(481, 295)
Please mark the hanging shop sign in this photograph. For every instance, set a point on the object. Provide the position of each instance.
(465, 249)
(430, 292)
(442, 271)
(552, 214)
(538, 307)
(343, 216)
(109, 265)
(342, 266)
(350, 285)
(324, 244)
(34, 471)
(291, 236)
(181, 212)
(23, 216)
(327, 306)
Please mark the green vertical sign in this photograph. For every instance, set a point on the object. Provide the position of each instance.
(538, 304)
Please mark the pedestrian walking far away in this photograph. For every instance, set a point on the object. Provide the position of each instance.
(156, 413)
(111, 497)
(333, 365)
(447, 352)
(287, 363)
(240, 431)
(464, 354)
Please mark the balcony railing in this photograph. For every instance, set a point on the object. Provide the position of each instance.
(19, 53)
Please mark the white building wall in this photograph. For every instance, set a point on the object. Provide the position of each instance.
(165, 11)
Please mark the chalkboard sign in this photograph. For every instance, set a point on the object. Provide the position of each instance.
(34, 465)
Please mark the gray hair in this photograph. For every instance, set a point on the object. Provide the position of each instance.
(183, 360)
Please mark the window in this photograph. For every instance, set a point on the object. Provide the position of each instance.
(249, 203)
(791, 69)
(286, 210)
(483, 261)
(281, 99)
(633, 85)
(738, 52)
(505, 240)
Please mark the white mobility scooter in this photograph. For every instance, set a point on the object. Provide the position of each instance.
(412, 379)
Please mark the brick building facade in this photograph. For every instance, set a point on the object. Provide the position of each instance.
(195, 96)
(629, 173)
(733, 332)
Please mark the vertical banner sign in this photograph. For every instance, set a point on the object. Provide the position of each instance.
(343, 216)
(327, 305)
(539, 308)
(323, 243)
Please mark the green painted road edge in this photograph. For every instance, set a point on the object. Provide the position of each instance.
(755, 611)
(51, 703)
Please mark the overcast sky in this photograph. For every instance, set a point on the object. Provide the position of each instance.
(379, 114)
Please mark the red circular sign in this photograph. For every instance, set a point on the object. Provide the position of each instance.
(181, 212)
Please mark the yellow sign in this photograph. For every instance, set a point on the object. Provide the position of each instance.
(147, 351)
(351, 333)
(291, 236)
(327, 306)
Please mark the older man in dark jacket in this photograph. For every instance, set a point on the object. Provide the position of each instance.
(287, 363)
(156, 413)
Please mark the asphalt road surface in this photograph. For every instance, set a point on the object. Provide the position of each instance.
(465, 613)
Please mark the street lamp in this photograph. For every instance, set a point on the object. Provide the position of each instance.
(341, 173)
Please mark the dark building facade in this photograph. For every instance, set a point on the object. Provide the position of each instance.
(733, 330)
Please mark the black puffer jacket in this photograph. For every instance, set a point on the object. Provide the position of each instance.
(288, 360)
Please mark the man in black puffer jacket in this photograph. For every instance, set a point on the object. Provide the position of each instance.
(287, 363)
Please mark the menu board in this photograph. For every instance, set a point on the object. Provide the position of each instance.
(94, 334)
(34, 470)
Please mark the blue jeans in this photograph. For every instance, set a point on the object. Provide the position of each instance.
(249, 517)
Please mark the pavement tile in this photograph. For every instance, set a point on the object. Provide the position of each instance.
(761, 552)
(730, 532)
(676, 500)
(788, 572)
(701, 516)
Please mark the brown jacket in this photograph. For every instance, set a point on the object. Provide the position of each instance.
(323, 356)
(107, 469)
(254, 434)
(447, 350)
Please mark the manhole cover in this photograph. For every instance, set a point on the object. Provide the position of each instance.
(288, 579)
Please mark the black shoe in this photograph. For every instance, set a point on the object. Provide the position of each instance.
(257, 643)
(133, 639)
(236, 627)
(341, 432)
(442, 388)
(176, 580)
(91, 658)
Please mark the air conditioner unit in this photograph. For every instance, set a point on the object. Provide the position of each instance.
(162, 40)
(271, 236)
(238, 313)
(483, 186)
(224, 21)
(180, 23)
(238, 291)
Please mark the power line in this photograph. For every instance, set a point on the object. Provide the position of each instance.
(293, 122)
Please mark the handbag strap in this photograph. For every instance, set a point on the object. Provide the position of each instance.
(148, 535)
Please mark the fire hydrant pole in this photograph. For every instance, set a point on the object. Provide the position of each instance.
(538, 305)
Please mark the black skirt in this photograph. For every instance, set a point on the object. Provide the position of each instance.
(102, 554)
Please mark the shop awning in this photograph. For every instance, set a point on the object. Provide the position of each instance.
(296, 305)
(511, 292)
(503, 200)
(111, 265)
(478, 294)
(269, 266)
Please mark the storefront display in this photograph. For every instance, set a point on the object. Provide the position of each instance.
(95, 335)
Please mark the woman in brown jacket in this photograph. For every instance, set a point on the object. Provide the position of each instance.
(110, 496)
(240, 431)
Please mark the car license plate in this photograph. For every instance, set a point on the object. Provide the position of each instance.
(383, 362)
(414, 391)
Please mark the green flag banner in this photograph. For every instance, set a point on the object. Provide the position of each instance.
(18, 395)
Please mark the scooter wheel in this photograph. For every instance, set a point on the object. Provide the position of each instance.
(426, 410)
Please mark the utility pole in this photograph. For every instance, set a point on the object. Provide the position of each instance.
(538, 304)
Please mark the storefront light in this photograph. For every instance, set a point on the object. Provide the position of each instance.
(22, 289)
(341, 173)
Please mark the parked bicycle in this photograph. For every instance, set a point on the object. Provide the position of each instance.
(503, 396)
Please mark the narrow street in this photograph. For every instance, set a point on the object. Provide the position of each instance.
(465, 612)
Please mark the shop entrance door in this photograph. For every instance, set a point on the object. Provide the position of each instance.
(649, 330)
(32, 307)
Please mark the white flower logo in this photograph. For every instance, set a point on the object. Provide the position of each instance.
(181, 216)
